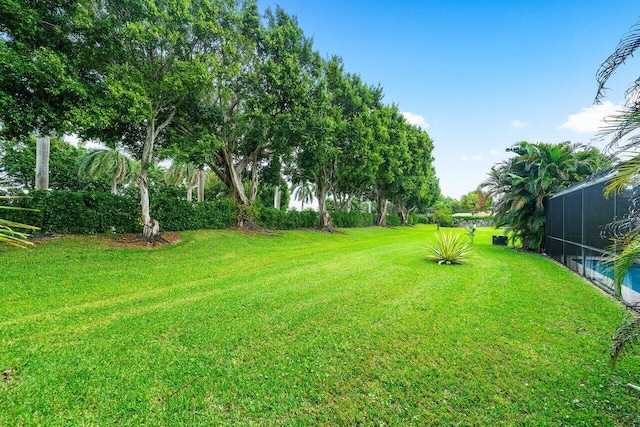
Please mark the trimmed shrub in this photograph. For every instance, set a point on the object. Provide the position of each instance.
(79, 212)
(83, 212)
(393, 220)
(352, 219)
(276, 219)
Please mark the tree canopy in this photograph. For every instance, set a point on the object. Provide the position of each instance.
(215, 83)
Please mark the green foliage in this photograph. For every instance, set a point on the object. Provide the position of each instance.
(448, 248)
(441, 215)
(18, 163)
(67, 212)
(393, 220)
(40, 82)
(622, 128)
(266, 194)
(176, 213)
(626, 337)
(522, 183)
(110, 164)
(351, 219)
(80, 212)
(471, 232)
(10, 230)
(240, 320)
(277, 219)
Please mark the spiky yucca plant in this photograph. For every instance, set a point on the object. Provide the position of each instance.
(448, 248)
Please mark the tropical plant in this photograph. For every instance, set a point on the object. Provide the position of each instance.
(448, 248)
(471, 232)
(184, 173)
(622, 130)
(626, 337)
(521, 184)
(108, 163)
(303, 192)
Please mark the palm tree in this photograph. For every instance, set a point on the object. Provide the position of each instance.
(622, 129)
(185, 173)
(303, 192)
(521, 184)
(109, 163)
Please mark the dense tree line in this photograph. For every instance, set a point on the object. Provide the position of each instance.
(209, 83)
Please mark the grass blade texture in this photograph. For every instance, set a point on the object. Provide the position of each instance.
(304, 328)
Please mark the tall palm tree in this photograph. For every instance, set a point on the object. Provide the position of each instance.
(303, 192)
(185, 173)
(521, 184)
(622, 130)
(109, 163)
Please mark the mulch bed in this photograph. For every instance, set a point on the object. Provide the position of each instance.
(133, 240)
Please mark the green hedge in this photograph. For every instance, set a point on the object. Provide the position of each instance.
(68, 212)
(393, 220)
(352, 219)
(72, 212)
(276, 219)
(84, 212)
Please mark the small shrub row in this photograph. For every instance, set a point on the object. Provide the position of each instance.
(86, 212)
(394, 220)
(352, 219)
(276, 219)
(83, 212)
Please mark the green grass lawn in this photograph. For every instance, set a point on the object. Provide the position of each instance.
(303, 328)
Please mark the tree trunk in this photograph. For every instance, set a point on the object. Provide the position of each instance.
(325, 218)
(276, 198)
(114, 186)
(43, 148)
(189, 193)
(201, 177)
(403, 213)
(151, 227)
(381, 216)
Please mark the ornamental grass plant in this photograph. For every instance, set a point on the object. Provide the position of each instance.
(449, 248)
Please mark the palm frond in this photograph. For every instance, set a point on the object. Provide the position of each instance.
(625, 49)
(625, 172)
(626, 337)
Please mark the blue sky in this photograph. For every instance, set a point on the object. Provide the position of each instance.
(479, 75)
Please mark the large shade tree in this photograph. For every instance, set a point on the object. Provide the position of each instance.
(150, 55)
(246, 118)
(521, 184)
(40, 72)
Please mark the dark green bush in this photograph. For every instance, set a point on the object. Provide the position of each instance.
(83, 212)
(351, 219)
(393, 220)
(78, 212)
(276, 219)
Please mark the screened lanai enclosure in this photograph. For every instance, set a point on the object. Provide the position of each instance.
(579, 231)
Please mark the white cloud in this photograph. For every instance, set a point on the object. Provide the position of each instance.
(475, 157)
(415, 119)
(517, 124)
(590, 119)
(493, 152)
